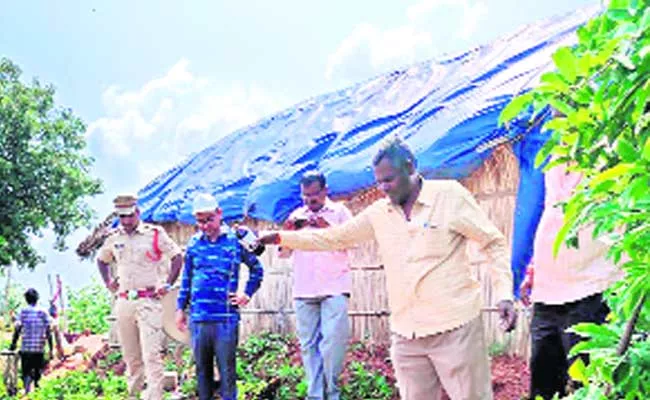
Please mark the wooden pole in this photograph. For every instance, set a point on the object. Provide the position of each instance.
(7, 289)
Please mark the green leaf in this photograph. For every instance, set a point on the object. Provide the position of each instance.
(644, 22)
(638, 188)
(561, 105)
(605, 52)
(571, 138)
(619, 5)
(626, 150)
(544, 152)
(555, 81)
(577, 371)
(567, 64)
(515, 107)
(561, 236)
(585, 64)
(612, 173)
(556, 124)
(621, 372)
(643, 53)
(584, 36)
(646, 150)
(596, 331)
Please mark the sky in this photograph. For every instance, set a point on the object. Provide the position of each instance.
(157, 80)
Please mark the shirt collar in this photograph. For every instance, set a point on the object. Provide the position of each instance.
(328, 206)
(224, 231)
(138, 229)
(426, 195)
(427, 192)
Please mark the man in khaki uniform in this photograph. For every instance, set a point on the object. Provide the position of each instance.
(147, 263)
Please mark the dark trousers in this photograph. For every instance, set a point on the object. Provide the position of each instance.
(32, 364)
(549, 363)
(218, 340)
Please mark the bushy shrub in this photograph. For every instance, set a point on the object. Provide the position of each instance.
(87, 309)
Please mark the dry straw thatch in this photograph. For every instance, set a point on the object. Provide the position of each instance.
(494, 185)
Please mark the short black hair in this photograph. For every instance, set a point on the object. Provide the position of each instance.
(31, 296)
(397, 151)
(313, 176)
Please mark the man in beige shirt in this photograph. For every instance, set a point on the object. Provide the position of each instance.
(422, 230)
(147, 263)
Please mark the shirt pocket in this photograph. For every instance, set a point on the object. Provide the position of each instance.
(429, 241)
(119, 251)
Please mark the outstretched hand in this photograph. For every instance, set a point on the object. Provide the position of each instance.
(269, 238)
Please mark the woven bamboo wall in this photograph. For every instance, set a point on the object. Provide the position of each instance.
(494, 186)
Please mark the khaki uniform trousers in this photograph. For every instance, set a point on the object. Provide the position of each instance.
(139, 328)
(455, 360)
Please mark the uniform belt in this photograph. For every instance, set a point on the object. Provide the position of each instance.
(135, 294)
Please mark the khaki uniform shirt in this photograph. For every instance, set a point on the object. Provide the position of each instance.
(135, 269)
(428, 275)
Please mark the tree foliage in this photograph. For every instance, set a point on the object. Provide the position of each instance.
(601, 129)
(44, 170)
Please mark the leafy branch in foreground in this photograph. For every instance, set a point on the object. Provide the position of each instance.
(599, 127)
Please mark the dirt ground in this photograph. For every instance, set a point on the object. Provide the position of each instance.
(510, 377)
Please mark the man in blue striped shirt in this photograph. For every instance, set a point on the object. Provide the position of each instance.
(209, 288)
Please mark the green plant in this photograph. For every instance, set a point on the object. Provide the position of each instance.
(188, 387)
(365, 384)
(11, 303)
(497, 349)
(599, 95)
(88, 309)
(265, 370)
(78, 385)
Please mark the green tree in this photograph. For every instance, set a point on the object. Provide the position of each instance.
(44, 171)
(600, 128)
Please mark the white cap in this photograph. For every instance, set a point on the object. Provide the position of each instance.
(204, 202)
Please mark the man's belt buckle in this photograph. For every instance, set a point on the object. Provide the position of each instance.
(132, 294)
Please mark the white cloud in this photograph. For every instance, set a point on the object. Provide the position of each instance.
(472, 12)
(238, 106)
(149, 129)
(177, 80)
(368, 49)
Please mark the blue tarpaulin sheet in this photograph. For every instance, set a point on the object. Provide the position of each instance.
(446, 110)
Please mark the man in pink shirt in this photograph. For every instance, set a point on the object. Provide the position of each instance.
(567, 289)
(321, 291)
